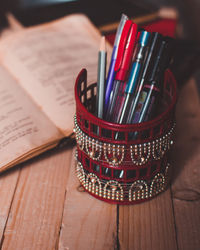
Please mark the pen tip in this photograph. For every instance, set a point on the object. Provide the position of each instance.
(103, 44)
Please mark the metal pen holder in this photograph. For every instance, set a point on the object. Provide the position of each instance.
(126, 170)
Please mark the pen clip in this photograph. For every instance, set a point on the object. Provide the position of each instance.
(122, 44)
(126, 46)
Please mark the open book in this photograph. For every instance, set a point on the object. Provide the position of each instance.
(38, 68)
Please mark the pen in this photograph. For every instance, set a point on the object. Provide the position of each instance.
(101, 74)
(111, 72)
(102, 55)
(134, 75)
(123, 61)
(139, 58)
(166, 58)
(150, 93)
(148, 64)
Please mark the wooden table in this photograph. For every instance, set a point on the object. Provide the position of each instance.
(43, 207)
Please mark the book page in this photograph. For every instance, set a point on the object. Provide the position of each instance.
(23, 126)
(46, 60)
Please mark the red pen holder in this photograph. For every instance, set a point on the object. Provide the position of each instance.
(123, 170)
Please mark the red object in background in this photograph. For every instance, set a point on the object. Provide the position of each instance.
(165, 26)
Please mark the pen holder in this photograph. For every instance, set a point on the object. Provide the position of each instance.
(123, 170)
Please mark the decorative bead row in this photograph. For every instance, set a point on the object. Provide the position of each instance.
(141, 153)
(113, 190)
(114, 154)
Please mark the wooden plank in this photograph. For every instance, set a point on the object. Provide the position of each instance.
(36, 212)
(185, 155)
(8, 183)
(186, 161)
(88, 223)
(187, 216)
(149, 225)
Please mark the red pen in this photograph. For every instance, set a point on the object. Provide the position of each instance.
(122, 65)
(125, 50)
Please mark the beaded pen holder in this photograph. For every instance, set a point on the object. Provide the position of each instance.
(122, 170)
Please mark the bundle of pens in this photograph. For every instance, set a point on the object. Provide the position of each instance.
(123, 136)
(134, 86)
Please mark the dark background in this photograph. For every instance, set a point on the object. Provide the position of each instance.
(33, 11)
(187, 57)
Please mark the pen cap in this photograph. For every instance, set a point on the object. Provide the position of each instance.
(157, 62)
(141, 45)
(123, 20)
(125, 50)
(168, 52)
(144, 38)
(153, 46)
(139, 57)
(167, 56)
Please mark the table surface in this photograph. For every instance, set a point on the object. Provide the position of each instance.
(43, 207)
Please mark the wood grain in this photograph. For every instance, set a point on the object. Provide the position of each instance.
(43, 207)
(8, 183)
(88, 223)
(36, 212)
(187, 216)
(149, 225)
(186, 162)
(186, 154)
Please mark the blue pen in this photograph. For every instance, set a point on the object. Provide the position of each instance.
(111, 72)
(134, 75)
(148, 65)
(151, 91)
(139, 56)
